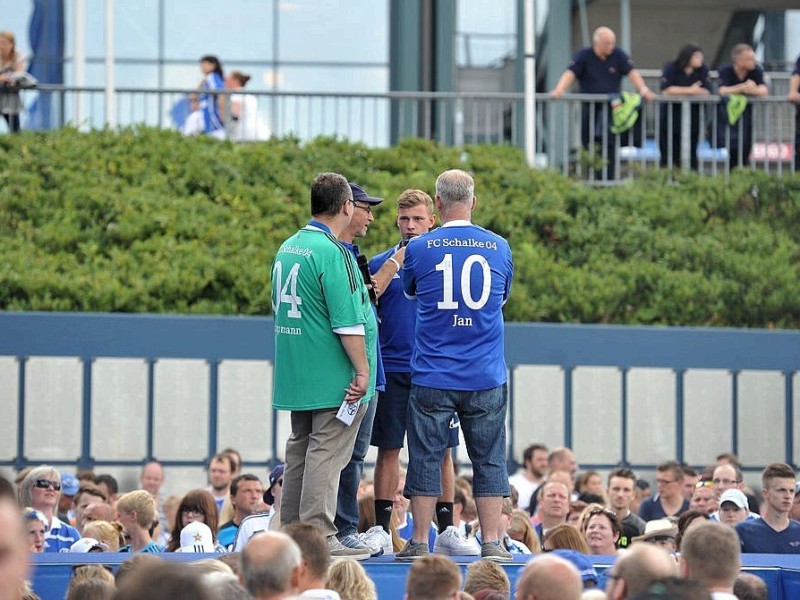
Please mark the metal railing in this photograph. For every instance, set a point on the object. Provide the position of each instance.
(573, 134)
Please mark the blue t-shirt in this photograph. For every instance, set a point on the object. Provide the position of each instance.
(397, 317)
(226, 536)
(152, 547)
(460, 275)
(757, 536)
(651, 509)
(380, 376)
(597, 76)
(60, 536)
(209, 103)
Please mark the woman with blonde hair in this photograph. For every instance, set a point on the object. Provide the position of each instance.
(12, 65)
(564, 537)
(108, 533)
(521, 530)
(350, 580)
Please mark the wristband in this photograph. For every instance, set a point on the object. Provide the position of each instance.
(396, 264)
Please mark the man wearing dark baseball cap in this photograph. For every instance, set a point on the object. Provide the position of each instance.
(272, 495)
(347, 501)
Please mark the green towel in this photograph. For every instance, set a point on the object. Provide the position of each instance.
(735, 107)
(624, 112)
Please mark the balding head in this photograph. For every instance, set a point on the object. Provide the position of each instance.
(13, 549)
(269, 565)
(98, 511)
(603, 41)
(549, 578)
(637, 570)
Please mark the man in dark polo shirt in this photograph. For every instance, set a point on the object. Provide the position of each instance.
(599, 70)
(743, 76)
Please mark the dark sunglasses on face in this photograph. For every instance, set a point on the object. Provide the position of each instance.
(44, 484)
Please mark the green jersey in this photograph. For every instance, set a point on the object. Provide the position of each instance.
(316, 288)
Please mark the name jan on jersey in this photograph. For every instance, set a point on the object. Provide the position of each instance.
(461, 243)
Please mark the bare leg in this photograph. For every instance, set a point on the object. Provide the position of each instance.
(448, 478)
(387, 473)
(489, 509)
(422, 508)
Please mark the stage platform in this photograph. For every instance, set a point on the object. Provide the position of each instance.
(50, 573)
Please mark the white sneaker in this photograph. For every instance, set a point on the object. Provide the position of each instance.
(450, 543)
(377, 540)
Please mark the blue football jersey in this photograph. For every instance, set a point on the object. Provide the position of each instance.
(460, 275)
(397, 317)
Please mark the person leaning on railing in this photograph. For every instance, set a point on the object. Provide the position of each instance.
(687, 75)
(743, 77)
(599, 70)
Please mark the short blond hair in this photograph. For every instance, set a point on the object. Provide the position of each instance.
(414, 197)
(432, 577)
(140, 502)
(484, 574)
(350, 580)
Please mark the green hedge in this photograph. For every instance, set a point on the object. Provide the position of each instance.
(147, 221)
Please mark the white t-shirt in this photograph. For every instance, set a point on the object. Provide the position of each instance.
(319, 595)
(525, 487)
(249, 126)
(252, 526)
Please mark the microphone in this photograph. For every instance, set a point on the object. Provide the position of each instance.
(363, 266)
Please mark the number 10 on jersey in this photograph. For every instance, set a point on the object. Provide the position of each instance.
(465, 278)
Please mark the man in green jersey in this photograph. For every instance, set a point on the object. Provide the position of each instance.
(325, 355)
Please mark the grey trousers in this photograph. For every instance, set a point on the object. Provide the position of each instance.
(317, 450)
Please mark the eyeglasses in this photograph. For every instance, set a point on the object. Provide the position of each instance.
(702, 484)
(367, 209)
(725, 481)
(194, 512)
(44, 484)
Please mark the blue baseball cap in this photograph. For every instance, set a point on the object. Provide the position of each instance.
(274, 476)
(69, 484)
(581, 562)
(360, 195)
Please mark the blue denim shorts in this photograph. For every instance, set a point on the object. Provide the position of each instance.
(389, 425)
(483, 421)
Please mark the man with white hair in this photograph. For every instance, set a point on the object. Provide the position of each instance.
(460, 275)
(269, 566)
(599, 69)
(549, 577)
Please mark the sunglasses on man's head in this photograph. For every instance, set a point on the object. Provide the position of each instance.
(44, 484)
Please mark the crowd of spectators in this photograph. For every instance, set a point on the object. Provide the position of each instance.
(681, 532)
